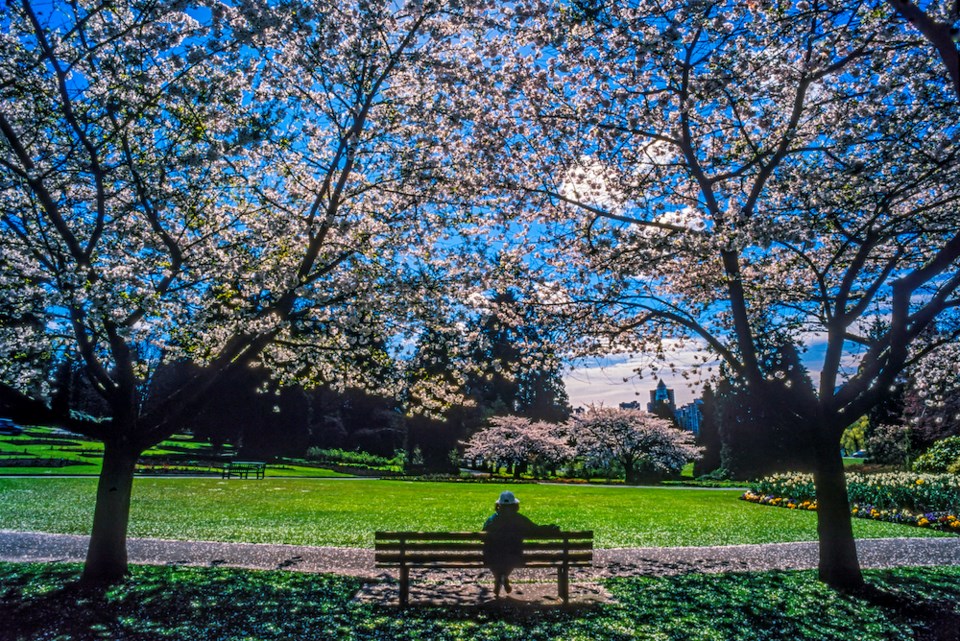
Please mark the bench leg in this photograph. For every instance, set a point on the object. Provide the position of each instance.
(404, 586)
(563, 581)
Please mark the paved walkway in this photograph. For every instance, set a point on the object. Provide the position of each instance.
(873, 553)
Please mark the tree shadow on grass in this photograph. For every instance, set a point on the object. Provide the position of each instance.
(48, 602)
(928, 602)
(906, 604)
(45, 601)
(31, 610)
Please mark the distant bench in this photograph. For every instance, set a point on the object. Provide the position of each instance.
(437, 550)
(243, 469)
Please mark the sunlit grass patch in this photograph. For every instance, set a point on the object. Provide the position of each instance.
(346, 513)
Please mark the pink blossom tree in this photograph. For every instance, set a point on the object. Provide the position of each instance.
(503, 442)
(514, 441)
(643, 444)
(550, 446)
(223, 184)
(739, 179)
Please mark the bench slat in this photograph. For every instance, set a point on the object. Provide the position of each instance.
(429, 536)
(419, 558)
(473, 536)
(465, 546)
(459, 563)
(469, 546)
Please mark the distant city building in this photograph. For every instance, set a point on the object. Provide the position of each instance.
(690, 416)
(661, 395)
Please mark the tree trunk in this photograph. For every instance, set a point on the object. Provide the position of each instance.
(107, 554)
(839, 566)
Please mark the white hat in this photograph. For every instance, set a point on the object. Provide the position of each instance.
(507, 498)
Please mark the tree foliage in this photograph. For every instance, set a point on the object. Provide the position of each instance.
(733, 178)
(170, 193)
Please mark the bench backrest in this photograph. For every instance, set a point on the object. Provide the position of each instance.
(465, 549)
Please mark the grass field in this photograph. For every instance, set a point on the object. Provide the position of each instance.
(347, 512)
(66, 453)
(44, 451)
(196, 604)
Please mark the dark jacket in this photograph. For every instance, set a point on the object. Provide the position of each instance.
(503, 546)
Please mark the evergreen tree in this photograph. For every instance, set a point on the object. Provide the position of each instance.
(503, 379)
(437, 367)
(757, 435)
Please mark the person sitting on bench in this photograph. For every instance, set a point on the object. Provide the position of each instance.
(503, 546)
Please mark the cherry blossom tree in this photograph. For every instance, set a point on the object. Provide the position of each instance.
(744, 179)
(550, 446)
(503, 442)
(932, 397)
(222, 184)
(515, 441)
(642, 443)
(938, 25)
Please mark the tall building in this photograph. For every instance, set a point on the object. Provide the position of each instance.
(661, 395)
(690, 416)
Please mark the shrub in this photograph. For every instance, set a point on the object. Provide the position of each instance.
(346, 457)
(888, 444)
(943, 456)
(719, 474)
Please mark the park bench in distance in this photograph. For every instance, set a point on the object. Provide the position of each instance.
(438, 550)
(243, 469)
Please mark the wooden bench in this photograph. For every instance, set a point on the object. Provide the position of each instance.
(243, 469)
(437, 550)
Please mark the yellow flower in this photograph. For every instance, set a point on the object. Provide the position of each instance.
(919, 481)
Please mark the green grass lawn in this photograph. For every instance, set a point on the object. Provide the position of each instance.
(81, 456)
(59, 453)
(43, 601)
(347, 512)
(75, 454)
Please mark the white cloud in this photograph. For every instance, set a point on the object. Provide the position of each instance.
(614, 380)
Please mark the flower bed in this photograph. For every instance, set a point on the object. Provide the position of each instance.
(924, 500)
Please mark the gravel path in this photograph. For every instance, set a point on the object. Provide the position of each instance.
(874, 553)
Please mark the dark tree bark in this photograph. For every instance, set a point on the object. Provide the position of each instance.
(107, 554)
(839, 566)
